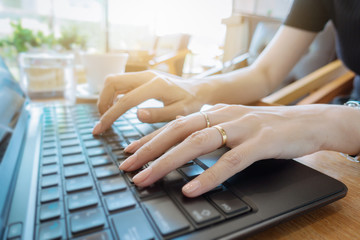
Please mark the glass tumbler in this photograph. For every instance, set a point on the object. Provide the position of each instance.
(48, 76)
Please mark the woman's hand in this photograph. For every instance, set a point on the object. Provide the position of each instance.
(253, 133)
(177, 94)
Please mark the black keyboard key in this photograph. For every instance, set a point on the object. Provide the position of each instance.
(69, 142)
(73, 159)
(78, 183)
(50, 169)
(112, 185)
(132, 224)
(132, 174)
(134, 120)
(211, 158)
(97, 151)
(106, 171)
(125, 127)
(50, 160)
(97, 236)
(198, 208)
(159, 125)
(52, 230)
(82, 221)
(82, 200)
(121, 122)
(47, 139)
(93, 143)
(49, 145)
(50, 180)
(229, 203)
(49, 152)
(121, 155)
(64, 129)
(71, 150)
(192, 171)
(50, 211)
(76, 170)
(15, 231)
(118, 146)
(133, 139)
(131, 134)
(120, 201)
(166, 215)
(145, 128)
(66, 136)
(87, 137)
(85, 131)
(49, 194)
(173, 177)
(85, 124)
(150, 191)
(101, 160)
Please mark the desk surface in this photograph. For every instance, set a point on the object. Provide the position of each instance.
(339, 220)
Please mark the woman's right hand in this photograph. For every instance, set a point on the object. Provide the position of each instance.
(178, 95)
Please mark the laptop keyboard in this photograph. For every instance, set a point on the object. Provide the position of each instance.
(83, 195)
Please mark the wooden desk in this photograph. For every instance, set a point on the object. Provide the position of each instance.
(339, 220)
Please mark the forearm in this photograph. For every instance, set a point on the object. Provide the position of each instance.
(243, 86)
(250, 84)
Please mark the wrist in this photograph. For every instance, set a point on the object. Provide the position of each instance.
(355, 105)
(347, 125)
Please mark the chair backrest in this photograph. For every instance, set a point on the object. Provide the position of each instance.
(320, 86)
(321, 51)
(173, 43)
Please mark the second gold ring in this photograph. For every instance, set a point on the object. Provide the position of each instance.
(223, 134)
(206, 119)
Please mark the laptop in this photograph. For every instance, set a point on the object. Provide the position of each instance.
(58, 181)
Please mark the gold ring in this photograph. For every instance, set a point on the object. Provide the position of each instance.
(206, 119)
(222, 133)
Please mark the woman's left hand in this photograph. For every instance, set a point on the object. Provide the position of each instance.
(253, 133)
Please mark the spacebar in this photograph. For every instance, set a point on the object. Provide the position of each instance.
(166, 215)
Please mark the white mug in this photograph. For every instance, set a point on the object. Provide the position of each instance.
(99, 65)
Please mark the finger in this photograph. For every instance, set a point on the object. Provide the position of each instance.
(133, 98)
(228, 165)
(119, 84)
(173, 133)
(198, 143)
(164, 114)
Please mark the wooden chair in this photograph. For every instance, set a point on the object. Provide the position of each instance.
(168, 55)
(321, 86)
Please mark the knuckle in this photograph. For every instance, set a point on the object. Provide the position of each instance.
(251, 117)
(109, 79)
(179, 123)
(267, 132)
(198, 138)
(147, 148)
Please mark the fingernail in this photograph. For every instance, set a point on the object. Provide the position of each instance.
(97, 129)
(142, 176)
(127, 163)
(191, 186)
(143, 114)
(130, 148)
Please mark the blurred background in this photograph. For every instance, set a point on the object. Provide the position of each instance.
(183, 37)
